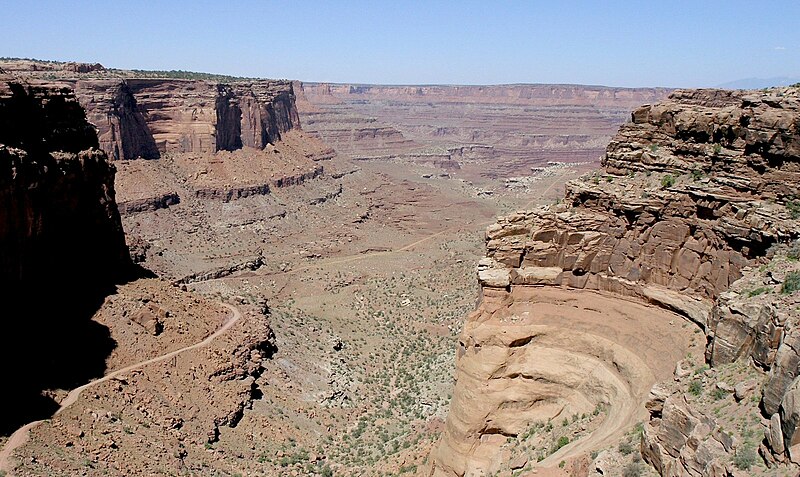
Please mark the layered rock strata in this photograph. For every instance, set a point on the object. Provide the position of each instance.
(144, 118)
(695, 191)
(58, 189)
(61, 244)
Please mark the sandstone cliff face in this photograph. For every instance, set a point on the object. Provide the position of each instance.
(144, 118)
(61, 245)
(695, 191)
(59, 214)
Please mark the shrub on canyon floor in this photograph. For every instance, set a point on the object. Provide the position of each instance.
(632, 469)
(794, 251)
(745, 457)
(791, 283)
(667, 181)
(562, 441)
(794, 208)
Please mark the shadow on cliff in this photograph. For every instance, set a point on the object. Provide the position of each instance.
(49, 342)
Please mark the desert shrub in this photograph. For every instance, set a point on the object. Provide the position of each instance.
(757, 291)
(562, 441)
(794, 208)
(794, 251)
(632, 469)
(697, 174)
(625, 448)
(667, 181)
(791, 284)
(717, 148)
(719, 394)
(695, 388)
(745, 457)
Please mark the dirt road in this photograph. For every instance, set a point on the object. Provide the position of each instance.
(20, 436)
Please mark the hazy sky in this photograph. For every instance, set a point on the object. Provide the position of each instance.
(635, 43)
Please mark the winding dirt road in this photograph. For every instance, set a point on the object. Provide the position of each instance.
(20, 436)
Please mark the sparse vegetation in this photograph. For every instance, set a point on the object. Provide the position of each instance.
(667, 181)
(793, 206)
(745, 457)
(562, 441)
(791, 283)
(695, 387)
(757, 291)
(794, 251)
(632, 469)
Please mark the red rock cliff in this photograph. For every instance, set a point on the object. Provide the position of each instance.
(58, 214)
(143, 118)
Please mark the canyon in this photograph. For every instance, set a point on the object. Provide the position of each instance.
(483, 131)
(695, 196)
(283, 272)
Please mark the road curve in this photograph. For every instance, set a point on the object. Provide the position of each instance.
(20, 436)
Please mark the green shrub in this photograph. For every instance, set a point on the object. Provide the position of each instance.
(717, 148)
(794, 251)
(695, 388)
(562, 441)
(757, 291)
(625, 447)
(667, 181)
(719, 394)
(794, 208)
(791, 284)
(697, 174)
(745, 457)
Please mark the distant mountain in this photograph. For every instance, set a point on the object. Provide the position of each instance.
(758, 83)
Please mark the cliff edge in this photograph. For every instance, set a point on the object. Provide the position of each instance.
(698, 194)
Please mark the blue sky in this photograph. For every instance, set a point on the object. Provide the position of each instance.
(644, 43)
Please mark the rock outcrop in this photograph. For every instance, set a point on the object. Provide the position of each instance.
(144, 118)
(61, 244)
(59, 213)
(694, 192)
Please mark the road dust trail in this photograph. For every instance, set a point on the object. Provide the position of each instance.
(622, 415)
(20, 436)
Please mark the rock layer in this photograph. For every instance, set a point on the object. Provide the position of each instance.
(58, 189)
(61, 244)
(144, 118)
(694, 191)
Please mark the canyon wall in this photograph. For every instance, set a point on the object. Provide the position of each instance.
(62, 246)
(60, 215)
(524, 126)
(144, 118)
(695, 193)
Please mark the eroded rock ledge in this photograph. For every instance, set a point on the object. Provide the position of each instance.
(694, 193)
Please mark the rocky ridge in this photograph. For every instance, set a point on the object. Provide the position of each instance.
(695, 193)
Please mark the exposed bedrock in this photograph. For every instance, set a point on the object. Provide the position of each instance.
(144, 118)
(696, 199)
(61, 244)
